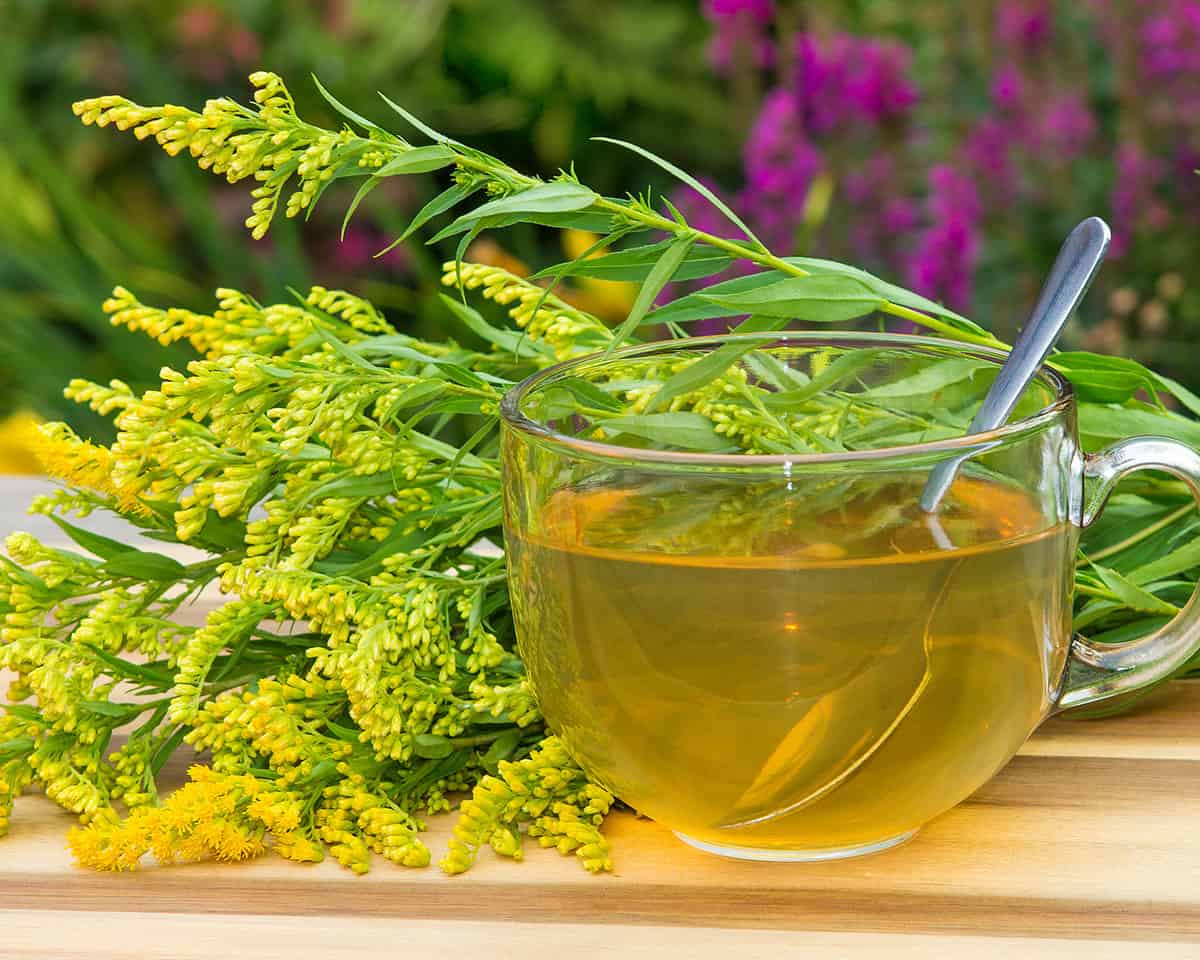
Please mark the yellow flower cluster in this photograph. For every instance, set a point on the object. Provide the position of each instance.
(227, 626)
(542, 315)
(18, 738)
(353, 822)
(549, 793)
(363, 665)
(214, 816)
(79, 463)
(267, 144)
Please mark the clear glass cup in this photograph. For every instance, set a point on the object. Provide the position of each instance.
(735, 614)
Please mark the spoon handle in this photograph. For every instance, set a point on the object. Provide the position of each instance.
(1069, 278)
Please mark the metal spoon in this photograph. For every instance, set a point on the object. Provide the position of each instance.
(1069, 279)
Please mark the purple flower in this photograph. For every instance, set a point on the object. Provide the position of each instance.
(1135, 182)
(1169, 64)
(1008, 88)
(1025, 25)
(842, 79)
(877, 83)
(1171, 40)
(987, 151)
(740, 27)
(943, 266)
(819, 82)
(780, 163)
(899, 215)
(952, 195)
(759, 11)
(881, 212)
(1064, 127)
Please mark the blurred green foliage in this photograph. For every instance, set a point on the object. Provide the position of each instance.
(530, 80)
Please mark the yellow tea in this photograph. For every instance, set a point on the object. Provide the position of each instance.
(759, 669)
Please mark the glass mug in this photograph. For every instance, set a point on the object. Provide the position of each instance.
(777, 654)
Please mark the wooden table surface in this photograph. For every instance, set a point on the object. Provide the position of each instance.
(1086, 845)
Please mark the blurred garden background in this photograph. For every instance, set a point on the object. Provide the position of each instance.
(947, 145)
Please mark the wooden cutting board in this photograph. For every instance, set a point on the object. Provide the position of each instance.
(1087, 844)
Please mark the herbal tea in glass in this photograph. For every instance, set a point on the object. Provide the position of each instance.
(736, 614)
(823, 676)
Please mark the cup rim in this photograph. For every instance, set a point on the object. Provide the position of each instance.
(512, 416)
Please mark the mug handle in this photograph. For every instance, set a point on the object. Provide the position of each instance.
(1098, 671)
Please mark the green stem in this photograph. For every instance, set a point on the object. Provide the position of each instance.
(1147, 531)
(479, 738)
(738, 249)
(636, 214)
(956, 333)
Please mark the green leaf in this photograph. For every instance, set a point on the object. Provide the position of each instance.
(322, 772)
(1130, 593)
(144, 566)
(17, 747)
(104, 708)
(1103, 379)
(1094, 611)
(699, 306)
(691, 182)
(412, 161)
(683, 429)
(1141, 627)
(843, 368)
(711, 365)
(102, 547)
(930, 379)
(591, 221)
(418, 160)
(139, 673)
(760, 324)
(698, 374)
(224, 533)
(456, 373)
(416, 395)
(512, 341)
(635, 264)
(166, 749)
(661, 274)
(888, 291)
(431, 746)
(558, 197)
(817, 299)
(344, 110)
(1179, 560)
(461, 251)
(359, 195)
(444, 201)
(1103, 423)
(775, 373)
(586, 393)
(353, 486)
(425, 129)
(340, 347)
(441, 450)
(502, 748)
(1180, 393)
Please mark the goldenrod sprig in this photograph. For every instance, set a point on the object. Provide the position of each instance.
(273, 145)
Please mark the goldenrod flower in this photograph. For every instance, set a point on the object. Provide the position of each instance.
(18, 436)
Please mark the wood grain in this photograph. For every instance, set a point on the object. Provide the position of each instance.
(1085, 845)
